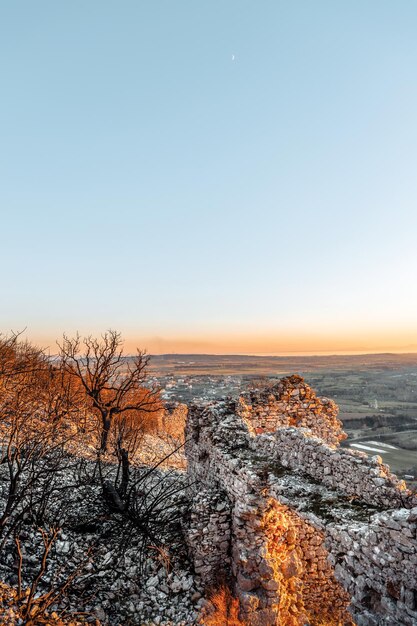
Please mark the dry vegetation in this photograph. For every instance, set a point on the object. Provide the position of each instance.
(82, 415)
(223, 609)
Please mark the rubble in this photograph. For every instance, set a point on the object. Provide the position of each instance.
(113, 586)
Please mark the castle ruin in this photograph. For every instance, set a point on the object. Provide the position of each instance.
(310, 533)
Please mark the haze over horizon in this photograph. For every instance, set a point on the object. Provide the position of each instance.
(252, 346)
(220, 177)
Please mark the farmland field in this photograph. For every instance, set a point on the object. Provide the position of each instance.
(376, 394)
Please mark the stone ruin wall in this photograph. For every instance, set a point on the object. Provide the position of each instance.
(291, 402)
(352, 472)
(307, 530)
(377, 565)
(277, 558)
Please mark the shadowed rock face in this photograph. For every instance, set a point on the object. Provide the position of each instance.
(311, 533)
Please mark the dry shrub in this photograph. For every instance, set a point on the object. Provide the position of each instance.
(12, 612)
(173, 420)
(225, 610)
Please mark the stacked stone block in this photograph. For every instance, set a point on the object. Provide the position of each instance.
(377, 564)
(208, 535)
(352, 472)
(291, 402)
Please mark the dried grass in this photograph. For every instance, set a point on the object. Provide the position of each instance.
(225, 611)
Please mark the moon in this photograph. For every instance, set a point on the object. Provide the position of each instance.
(233, 57)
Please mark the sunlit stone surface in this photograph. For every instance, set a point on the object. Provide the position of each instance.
(310, 532)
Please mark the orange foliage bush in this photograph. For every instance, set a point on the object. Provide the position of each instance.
(225, 610)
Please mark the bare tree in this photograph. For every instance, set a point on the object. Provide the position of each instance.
(46, 410)
(113, 383)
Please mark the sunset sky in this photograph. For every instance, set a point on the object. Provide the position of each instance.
(220, 176)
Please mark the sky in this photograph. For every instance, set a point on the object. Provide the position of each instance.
(211, 176)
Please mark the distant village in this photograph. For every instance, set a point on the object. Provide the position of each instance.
(191, 388)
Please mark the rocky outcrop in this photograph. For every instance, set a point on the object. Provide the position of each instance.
(312, 534)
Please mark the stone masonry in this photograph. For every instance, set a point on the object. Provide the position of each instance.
(312, 534)
(291, 402)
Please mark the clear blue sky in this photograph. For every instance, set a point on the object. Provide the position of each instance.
(190, 170)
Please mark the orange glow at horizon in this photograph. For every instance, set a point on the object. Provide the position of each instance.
(290, 342)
